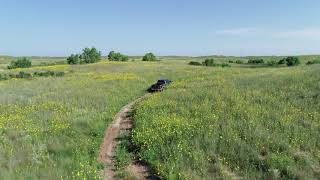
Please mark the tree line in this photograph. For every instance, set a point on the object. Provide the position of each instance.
(92, 55)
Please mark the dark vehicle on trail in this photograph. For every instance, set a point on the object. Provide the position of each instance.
(160, 85)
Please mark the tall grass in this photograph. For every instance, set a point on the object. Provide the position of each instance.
(229, 123)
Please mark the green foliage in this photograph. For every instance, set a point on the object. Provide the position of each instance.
(272, 63)
(20, 63)
(117, 56)
(237, 61)
(256, 61)
(149, 57)
(49, 73)
(90, 55)
(22, 74)
(73, 59)
(210, 62)
(313, 62)
(195, 63)
(26, 75)
(290, 61)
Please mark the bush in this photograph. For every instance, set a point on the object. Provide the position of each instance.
(23, 75)
(117, 56)
(149, 57)
(3, 77)
(90, 55)
(20, 63)
(73, 59)
(313, 62)
(195, 63)
(239, 62)
(208, 62)
(48, 73)
(272, 63)
(290, 61)
(256, 61)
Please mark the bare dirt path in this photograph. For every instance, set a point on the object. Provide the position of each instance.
(123, 121)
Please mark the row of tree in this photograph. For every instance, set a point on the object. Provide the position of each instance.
(88, 55)
(92, 55)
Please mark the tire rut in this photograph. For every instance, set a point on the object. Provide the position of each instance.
(123, 122)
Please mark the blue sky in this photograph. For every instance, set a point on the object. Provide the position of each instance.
(165, 27)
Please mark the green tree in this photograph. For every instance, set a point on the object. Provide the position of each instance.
(73, 59)
(208, 62)
(90, 55)
(149, 57)
(117, 56)
(290, 61)
(20, 63)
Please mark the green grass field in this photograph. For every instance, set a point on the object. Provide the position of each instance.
(211, 122)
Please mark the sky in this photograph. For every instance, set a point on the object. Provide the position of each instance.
(164, 27)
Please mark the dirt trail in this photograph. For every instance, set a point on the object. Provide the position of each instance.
(122, 122)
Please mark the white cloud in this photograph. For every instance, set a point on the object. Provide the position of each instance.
(238, 31)
(302, 33)
(309, 33)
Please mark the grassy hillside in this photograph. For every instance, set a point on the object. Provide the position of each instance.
(211, 122)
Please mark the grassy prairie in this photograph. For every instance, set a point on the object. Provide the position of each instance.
(234, 122)
(53, 126)
(211, 122)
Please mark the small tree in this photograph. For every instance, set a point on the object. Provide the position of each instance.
(290, 61)
(117, 56)
(90, 55)
(73, 59)
(256, 61)
(149, 57)
(20, 63)
(208, 62)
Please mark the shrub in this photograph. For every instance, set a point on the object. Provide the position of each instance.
(90, 55)
(256, 61)
(73, 59)
(3, 77)
(272, 63)
(149, 57)
(20, 63)
(195, 63)
(117, 56)
(224, 65)
(208, 62)
(290, 61)
(23, 75)
(313, 62)
(239, 62)
(49, 73)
